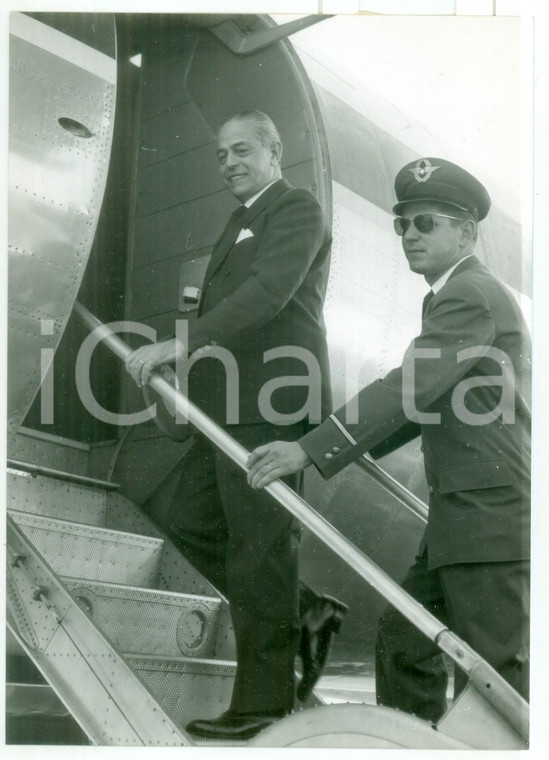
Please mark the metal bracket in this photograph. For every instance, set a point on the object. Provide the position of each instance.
(15, 559)
(39, 593)
(22, 623)
(244, 44)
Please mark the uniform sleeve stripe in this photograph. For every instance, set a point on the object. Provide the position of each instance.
(343, 430)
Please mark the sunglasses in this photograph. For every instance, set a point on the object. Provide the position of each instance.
(422, 222)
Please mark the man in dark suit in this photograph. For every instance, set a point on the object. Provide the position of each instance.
(261, 306)
(462, 385)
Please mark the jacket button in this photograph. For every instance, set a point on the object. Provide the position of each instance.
(336, 449)
(328, 456)
(227, 272)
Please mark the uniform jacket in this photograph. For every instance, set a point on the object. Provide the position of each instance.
(265, 292)
(478, 474)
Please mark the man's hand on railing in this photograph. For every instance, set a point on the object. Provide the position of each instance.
(144, 360)
(274, 460)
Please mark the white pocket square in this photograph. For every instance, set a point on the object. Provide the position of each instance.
(243, 234)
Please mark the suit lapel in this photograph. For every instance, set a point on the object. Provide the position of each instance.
(276, 189)
(469, 263)
(228, 238)
(225, 243)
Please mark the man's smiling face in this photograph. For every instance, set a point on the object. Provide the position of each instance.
(246, 165)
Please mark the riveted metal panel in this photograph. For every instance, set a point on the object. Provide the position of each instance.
(55, 498)
(82, 551)
(187, 689)
(61, 121)
(144, 621)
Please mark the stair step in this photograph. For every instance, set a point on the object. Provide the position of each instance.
(151, 622)
(186, 688)
(85, 551)
(41, 495)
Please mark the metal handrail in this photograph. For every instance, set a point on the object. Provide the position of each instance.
(487, 681)
(392, 485)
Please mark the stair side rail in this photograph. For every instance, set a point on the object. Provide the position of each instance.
(87, 673)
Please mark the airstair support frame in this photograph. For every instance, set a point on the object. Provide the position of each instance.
(70, 477)
(86, 672)
(243, 43)
(490, 685)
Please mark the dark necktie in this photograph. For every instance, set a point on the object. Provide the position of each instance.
(233, 225)
(426, 300)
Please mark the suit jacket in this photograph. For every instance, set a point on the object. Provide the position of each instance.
(478, 474)
(266, 292)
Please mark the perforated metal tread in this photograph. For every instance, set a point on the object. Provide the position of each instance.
(62, 500)
(187, 688)
(149, 621)
(85, 551)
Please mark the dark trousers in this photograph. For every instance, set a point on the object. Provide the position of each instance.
(485, 604)
(246, 545)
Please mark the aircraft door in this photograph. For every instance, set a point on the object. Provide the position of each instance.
(62, 100)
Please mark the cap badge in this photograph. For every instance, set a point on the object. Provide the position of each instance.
(423, 170)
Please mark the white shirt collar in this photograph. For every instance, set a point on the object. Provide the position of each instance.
(251, 200)
(443, 279)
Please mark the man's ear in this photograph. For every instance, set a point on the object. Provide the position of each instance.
(276, 153)
(468, 232)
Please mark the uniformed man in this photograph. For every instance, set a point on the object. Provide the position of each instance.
(462, 385)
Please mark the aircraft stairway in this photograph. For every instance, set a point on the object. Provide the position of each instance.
(91, 603)
(82, 550)
(95, 601)
(136, 644)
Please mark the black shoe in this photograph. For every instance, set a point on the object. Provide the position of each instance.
(233, 725)
(318, 625)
